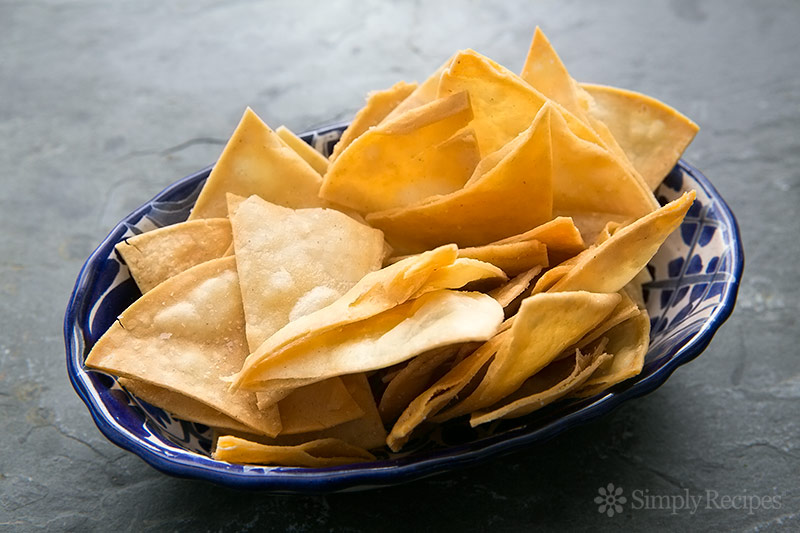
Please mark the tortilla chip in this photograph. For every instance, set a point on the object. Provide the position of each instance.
(412, 380)
(504, 105)
(545, 72)
(508, 292)
(257, 161)
(545, 325)
(379, 104)
(625, 310)
(433, 320)
(510, 198)
(405, 160)
(628, 343)
(512, 258)
(294, 262)
(463, 271)
(317, 161)
(186, 408)
(365, 432)
(157, 255)
(184, 335)
(318, 406)
(374, 293)
(614, 263)
(552, 383)
(560, 235)
(652, 134)
(443, 391)
(589, 178)
(425, 93)
(314, 454)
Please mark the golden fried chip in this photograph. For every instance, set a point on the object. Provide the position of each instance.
(560, 235)
(513, 196)
(366, 432)
(412, 380)
(552, 383)
(184, 336)
(545, 325)
(425, 93)
(652, 134)
(627, 343)
(317, 161)
(405, 160)
(157, 255)
(611, 265)
(441, 393)
(379, 104)
(257, 161)
(512, 257)
(433, 320)
(187, 408)
(508, 292)
(545, 72)
(294, 262)
(318, 406)
(312, 454)
(463, 271)
(374, 293)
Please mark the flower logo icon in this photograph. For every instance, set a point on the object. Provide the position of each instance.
(610, 500)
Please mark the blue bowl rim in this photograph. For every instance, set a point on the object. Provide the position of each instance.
(363, 476)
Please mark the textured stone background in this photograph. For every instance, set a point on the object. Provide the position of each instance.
(102, 104)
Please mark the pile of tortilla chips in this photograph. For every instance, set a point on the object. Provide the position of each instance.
(473, 247)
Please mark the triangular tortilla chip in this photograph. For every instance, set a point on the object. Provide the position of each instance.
(589, 178)
(433, 320)
(545, 325)
(553, 382)
(187, 408)
(425, 93)
(257, 161)
(560, 235)
(412, 380)
(185, 335)
(503, 104)
(365, 432)
(374, 293)
(512, 257)
(157, 255)
(313, 454)
(627, 343)
(317, 161)
(463, 271)
(317, 406)
(508, 292)
(513, 196)
(652, 134)
(545, 72)
(294, 262)
(379, 104)
(443, 391)
(405, 160)
(611, 265)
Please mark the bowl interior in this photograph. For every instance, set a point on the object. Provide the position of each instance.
(695, 280)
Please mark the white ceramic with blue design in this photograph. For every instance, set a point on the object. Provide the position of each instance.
(696, 276)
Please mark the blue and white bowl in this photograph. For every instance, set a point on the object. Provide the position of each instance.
(696, 276)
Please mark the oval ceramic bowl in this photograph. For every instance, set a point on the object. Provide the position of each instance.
(696, 276)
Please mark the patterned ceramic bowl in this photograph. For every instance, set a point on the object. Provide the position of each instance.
(696, 277)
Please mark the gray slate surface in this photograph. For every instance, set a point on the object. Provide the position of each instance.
(102, 104)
